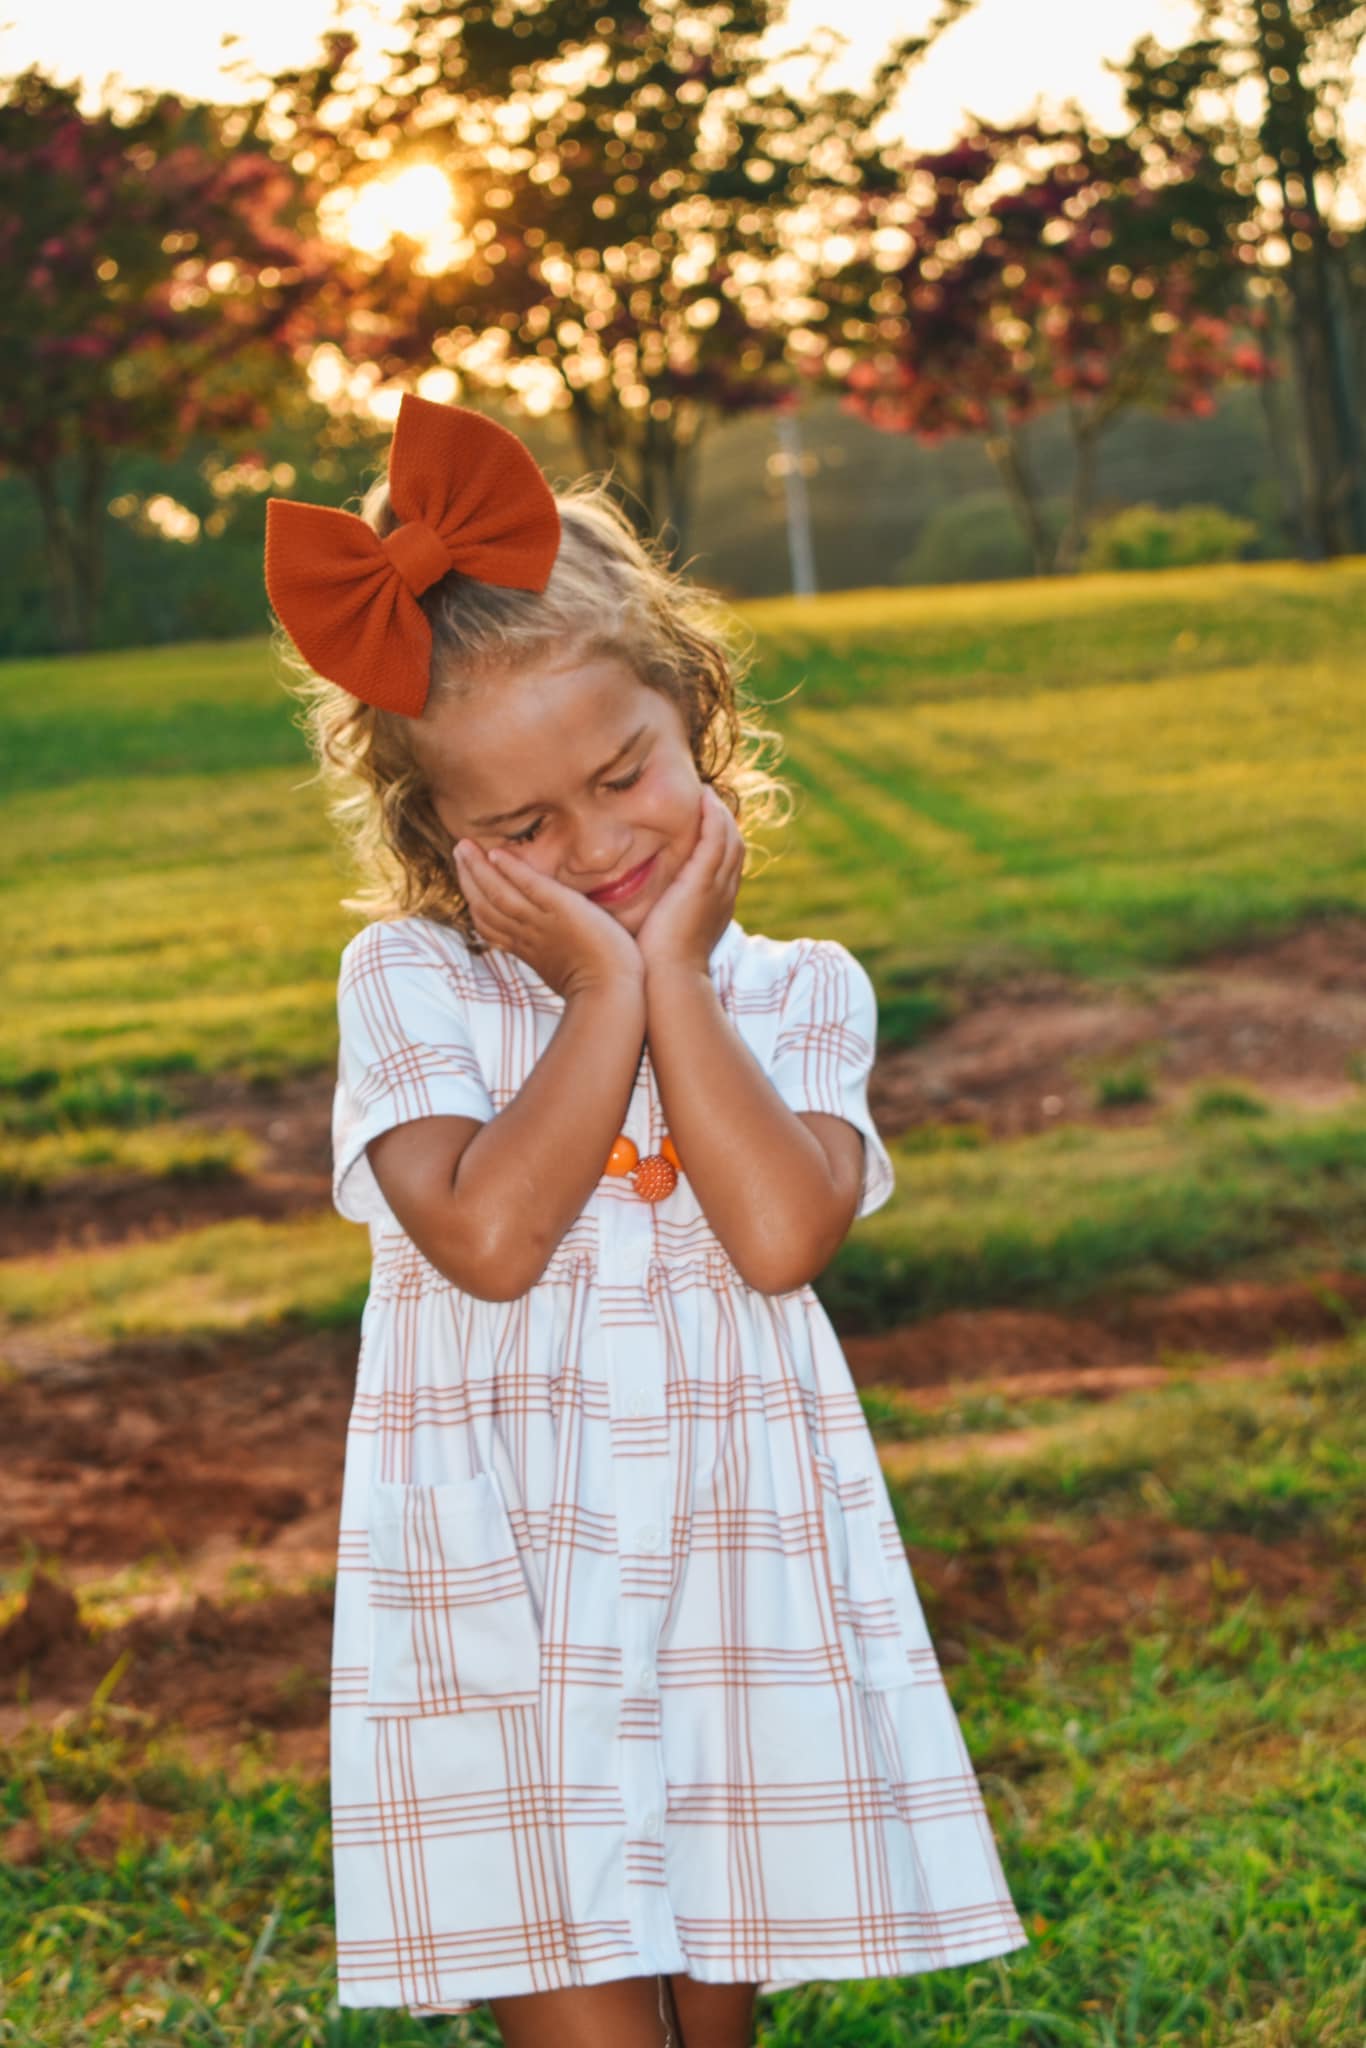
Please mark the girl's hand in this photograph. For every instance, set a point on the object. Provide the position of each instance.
(686, 921)
(570, 941)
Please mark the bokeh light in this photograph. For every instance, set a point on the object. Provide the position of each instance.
(417, 201)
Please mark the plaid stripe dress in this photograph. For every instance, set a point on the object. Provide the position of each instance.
(629, 1670)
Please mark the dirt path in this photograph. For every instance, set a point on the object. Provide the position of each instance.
(1286, 1019)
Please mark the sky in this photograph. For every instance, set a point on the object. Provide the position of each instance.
(996, 62)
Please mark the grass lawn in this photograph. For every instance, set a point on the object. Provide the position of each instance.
(1179, 1812)
(1144, 1610)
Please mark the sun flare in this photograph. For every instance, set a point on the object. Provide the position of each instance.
(417, 201)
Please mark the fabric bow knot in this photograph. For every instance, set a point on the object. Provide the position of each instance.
(469, 496)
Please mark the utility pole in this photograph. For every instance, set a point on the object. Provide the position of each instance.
(791, 464)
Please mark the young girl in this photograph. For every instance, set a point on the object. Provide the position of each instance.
(634, 1711)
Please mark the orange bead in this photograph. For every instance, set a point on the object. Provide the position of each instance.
(670, 1153)
(655, 1178)
(622, 1157)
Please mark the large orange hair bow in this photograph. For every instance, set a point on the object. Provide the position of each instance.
(469, 497)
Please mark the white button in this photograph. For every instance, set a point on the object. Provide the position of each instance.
(647, 1536)
(645, 1679)
(637, 1401)
(649, 1824)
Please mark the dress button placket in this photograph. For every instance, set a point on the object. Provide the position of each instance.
(634, 1357)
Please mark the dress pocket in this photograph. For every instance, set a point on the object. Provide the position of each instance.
(452, 1626)
(882, 1607)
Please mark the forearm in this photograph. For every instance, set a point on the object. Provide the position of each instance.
(530, 1170)
(761, 1178)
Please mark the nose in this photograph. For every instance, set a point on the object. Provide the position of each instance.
(597, 852)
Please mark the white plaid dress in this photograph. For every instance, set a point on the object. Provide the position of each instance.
(629, 1670)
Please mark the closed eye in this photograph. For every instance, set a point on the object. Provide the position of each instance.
(522, 838)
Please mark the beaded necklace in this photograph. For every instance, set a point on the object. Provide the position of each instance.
(652, 1177)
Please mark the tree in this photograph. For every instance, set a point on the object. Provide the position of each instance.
(626, 182)
(1281, 165)
(1047, 265)
(158, 290)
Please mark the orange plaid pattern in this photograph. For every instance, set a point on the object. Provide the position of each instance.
(630, 1674)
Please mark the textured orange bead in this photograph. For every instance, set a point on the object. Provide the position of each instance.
(655, 1178)
(670, 1153)
(622, 1157)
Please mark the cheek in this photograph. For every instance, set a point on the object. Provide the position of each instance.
(675, 793)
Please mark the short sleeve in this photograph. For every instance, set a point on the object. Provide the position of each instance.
(823, 1052)
(405, 1050)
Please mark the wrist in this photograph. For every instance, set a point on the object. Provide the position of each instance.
(674, 974)
(624, 987)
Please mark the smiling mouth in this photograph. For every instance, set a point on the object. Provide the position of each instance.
(626, 885)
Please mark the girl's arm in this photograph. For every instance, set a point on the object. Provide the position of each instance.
(487, 1203)
(780, 1187)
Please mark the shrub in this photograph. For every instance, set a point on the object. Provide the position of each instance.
(977, 539)
(1153, 537)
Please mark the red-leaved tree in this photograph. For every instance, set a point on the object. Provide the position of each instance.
(159, 284)
(1044, 266)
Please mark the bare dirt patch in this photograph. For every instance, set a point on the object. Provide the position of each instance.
(927, 1454)
(968, 1346)
(222, 1673)
(292, 1123)
(1286, 1019)
(179, 1466)
(163, 1449)
(1128, 1573)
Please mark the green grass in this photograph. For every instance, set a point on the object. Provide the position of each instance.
(1098, 774)
(1179, 1819)
(170, 1151)
(1273, 1457)
(1013, 639)
(1054, 1219)
(1124, 1086)
(1059, 1218)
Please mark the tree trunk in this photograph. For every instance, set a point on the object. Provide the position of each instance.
(651, 480)
(1329, 400)
(591, 431)
(1007, 451)
(90, 533)
(1285, 450)
(685, 489)
(1330, 415)
(1306, 357)
(60, 548)
(1085, 436)
(667, 483)
(74, 546)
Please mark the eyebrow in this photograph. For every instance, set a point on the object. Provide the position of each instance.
(501, 817)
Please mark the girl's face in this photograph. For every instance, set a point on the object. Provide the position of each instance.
(578, 767)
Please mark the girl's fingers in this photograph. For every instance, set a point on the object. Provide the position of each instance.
(500, 885)
(520, 873)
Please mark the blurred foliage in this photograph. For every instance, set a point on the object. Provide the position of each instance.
(876, 501)
(166, 284)
(1251, 120)
(977, 539)
(1043, 270)
(1146, 537)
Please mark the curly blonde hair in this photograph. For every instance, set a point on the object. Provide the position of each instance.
(609, 593)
